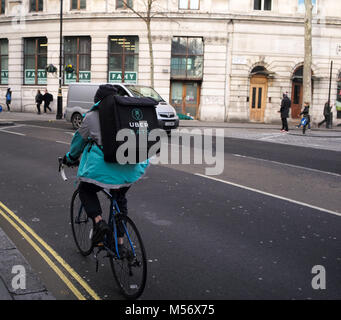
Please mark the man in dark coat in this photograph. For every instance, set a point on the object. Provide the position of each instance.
(285, 106)
(326, 114)
(47, 98)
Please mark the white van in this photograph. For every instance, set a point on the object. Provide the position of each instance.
(80, 99)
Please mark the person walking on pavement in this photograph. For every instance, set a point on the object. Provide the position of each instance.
(306, 115)
(285, 106)
(326, 114)
(8, 99)
(47, 98)
(39, 100)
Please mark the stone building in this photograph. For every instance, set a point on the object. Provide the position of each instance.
(219, 60)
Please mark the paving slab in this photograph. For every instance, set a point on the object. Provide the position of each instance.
(11, 262)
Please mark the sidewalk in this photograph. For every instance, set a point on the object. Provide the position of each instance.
(13, 263)
(8, 117)
(11, 117)
(250, 125)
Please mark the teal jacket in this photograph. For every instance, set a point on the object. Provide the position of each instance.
(86, 143)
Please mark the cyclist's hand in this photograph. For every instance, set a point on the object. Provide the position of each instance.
(69, 163)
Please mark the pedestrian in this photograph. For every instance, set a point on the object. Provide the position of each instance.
(306, 115)
(47, 98)
(284, 111)
(39, 100)
(8, 99)
(326, 113)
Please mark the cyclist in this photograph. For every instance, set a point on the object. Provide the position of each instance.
(95, 173)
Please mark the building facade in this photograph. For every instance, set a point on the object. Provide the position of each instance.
(218, 60)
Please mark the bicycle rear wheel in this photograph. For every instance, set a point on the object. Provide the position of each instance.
(82, 226)
(130, 270)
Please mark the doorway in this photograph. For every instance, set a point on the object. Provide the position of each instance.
(296, 99)
(258, 94)
(297, 92)
(185, 97)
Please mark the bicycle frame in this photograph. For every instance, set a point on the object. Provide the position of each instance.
(114, 210)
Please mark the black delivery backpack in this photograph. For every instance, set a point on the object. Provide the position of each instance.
(138, 117)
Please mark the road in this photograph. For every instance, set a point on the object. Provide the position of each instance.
(254, 232)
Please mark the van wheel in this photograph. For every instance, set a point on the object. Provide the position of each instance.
(76, 120)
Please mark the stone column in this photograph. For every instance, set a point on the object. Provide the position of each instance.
(15, 70)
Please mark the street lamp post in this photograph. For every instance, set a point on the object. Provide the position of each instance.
(330, 117)
(60, 95)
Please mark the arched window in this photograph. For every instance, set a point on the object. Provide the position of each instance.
(258, 69)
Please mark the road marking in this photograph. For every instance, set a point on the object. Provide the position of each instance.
(276, 135)
(289, 165)
(45, 257)
(270, 194)
(17, 133)
(53, 253)
(49, 128)
(68, 143)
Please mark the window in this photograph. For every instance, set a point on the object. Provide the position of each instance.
(123, 59)
(123, 4)
(77, 52)
(262, 5)
(187, 58)
(189, 4)
(78, 4)
(35, 60)
(3, 61)
(36, 5)
(2, 6)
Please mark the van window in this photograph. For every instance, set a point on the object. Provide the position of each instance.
(142, 91)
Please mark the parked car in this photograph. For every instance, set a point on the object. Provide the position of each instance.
(81, 98)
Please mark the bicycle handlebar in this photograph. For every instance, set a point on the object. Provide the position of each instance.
(61, 168)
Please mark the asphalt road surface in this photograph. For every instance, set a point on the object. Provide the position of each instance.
(256, 231)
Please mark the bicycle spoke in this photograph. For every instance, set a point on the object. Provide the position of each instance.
(82, 226)
(130, 270)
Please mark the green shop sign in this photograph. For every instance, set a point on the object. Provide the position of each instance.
(129, 76)
(30, 76)
(84, 76)
(4, 76)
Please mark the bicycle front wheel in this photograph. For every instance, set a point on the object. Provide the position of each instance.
(82, 226)
(130, 265)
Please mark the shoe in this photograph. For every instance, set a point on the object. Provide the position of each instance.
(100, 230)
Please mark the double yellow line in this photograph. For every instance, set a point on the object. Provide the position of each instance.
(21, 227)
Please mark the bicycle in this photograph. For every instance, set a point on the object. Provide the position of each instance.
(129, 266)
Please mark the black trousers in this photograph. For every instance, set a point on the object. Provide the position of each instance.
(326, 120)
(38, 107)
(8, 106)
(46, 106)
(285, 124)
(92, 206)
